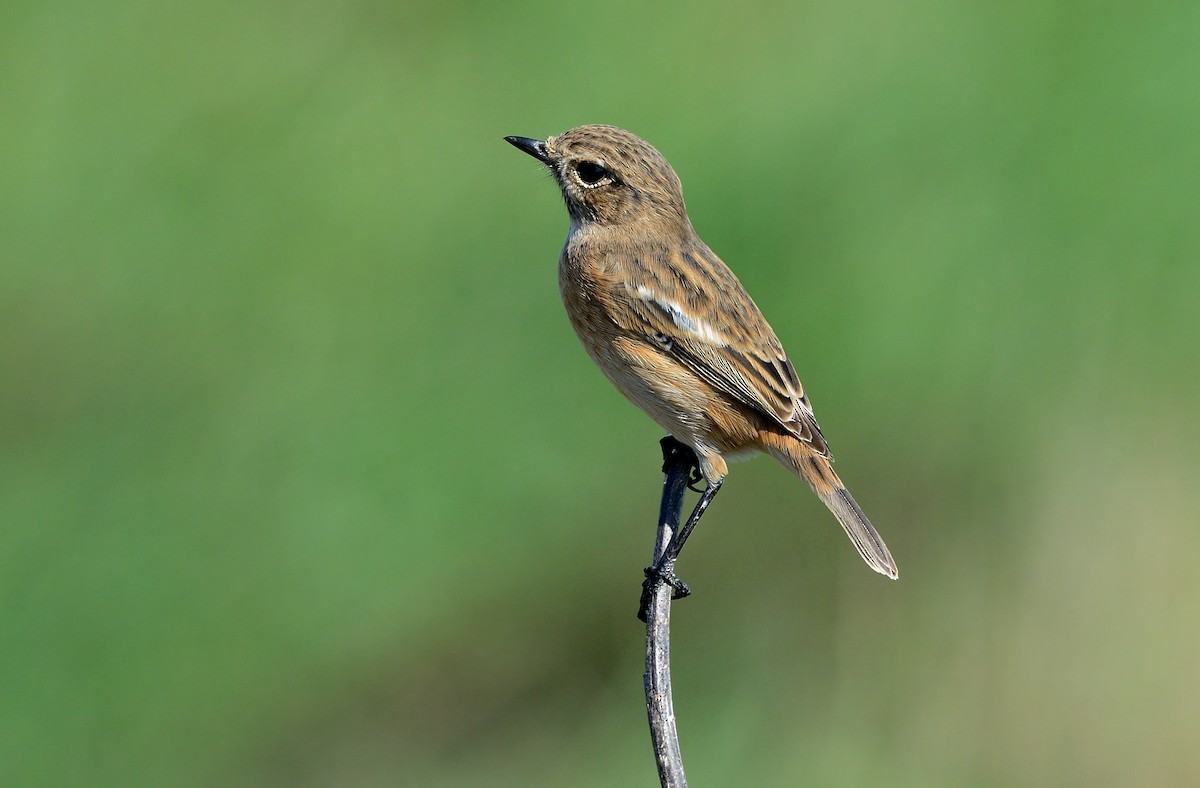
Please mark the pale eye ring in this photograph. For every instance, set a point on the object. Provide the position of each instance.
(591, 173)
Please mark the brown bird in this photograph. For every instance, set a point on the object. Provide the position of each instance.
(674, 330)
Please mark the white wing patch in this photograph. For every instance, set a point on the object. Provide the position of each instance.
(682, 320)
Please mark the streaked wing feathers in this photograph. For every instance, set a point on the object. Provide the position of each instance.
(704, 318)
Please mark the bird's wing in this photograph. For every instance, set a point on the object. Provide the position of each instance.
(699, 313)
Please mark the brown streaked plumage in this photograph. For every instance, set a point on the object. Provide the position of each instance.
(672, 327)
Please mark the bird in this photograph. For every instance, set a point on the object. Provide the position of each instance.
(672, 327)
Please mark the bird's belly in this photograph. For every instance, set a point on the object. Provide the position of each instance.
(672, 395)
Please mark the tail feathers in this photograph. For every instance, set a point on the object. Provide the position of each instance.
(816, 470)
(868, 541)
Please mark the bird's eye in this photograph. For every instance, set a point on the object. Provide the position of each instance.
(590, 173)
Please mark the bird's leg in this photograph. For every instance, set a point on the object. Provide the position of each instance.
(663, 568)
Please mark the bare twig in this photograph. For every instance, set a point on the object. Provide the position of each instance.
(678, 462)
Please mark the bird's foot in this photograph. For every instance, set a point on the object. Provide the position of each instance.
(658, 575)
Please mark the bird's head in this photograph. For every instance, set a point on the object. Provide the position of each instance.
(610, 177)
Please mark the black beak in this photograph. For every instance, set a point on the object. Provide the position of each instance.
(535, 148)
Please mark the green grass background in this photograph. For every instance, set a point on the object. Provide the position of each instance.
(305, 481)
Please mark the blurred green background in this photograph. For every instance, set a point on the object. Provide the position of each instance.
(305, 480)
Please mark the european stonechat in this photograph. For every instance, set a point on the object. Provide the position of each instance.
(674, 330)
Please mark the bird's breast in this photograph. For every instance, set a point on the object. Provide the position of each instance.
(586, 291)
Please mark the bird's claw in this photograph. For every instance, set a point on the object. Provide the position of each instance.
(661, 575)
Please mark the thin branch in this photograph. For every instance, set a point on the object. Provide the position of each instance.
(678, 461)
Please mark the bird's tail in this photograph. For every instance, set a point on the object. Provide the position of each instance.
(819, 474)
